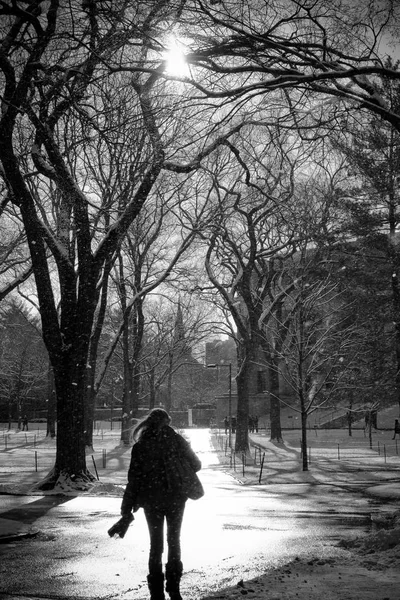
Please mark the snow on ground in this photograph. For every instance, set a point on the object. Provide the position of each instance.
(365, 567)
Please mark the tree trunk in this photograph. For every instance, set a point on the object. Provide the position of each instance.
(126, 426)
(168, 401)
(51, 404)
(275, 403)
(274, 390)
(243, 379)
(350, 414)
(152, 400)
(89, 412)
(10, 413)
(126, 399)
(303, 434)
(138, 332)
(70, 469)
(18, 405)
(369, 425)
(135, 390)
(126, 388)
(91, 389)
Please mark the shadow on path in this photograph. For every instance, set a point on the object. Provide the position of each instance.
(30, 512)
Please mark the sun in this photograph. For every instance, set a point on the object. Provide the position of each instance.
(175, 60)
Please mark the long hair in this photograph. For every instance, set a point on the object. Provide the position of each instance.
(151, 424)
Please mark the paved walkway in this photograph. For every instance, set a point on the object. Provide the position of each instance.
(281, 466)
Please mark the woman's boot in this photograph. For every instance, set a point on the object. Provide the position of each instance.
(173, 573)
(156, 586)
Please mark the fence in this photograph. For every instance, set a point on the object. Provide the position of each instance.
(348, 454)
(352, 452)
(241, 461)
(18, 439)
(32, 451)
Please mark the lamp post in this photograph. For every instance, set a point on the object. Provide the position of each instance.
(229, 365)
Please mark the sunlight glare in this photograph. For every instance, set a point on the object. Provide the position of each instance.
(175, 60)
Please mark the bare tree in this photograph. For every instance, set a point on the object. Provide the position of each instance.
(23, 360)
(53, 62)
(254, 225)
(173, 333)
(319, 346)
(318, 54)
(150, 253)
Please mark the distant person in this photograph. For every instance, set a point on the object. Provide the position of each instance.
(25, 423)
(255, 421)
(226, 425)
(251, 424)
(155, 484)
(396, 428)
(233, 424)
(371, 419)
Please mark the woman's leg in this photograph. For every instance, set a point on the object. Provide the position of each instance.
(155, 523)
(174, 515)
(174, 567)
(155, 579)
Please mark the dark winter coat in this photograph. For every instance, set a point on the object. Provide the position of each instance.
(149, 477)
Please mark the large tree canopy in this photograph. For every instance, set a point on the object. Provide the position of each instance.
(314, 53)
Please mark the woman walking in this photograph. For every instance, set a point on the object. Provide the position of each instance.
(158, 481)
